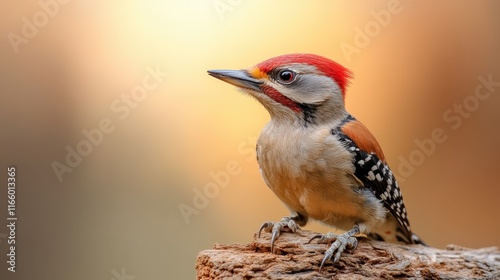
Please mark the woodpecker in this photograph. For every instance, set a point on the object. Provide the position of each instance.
(317, 158)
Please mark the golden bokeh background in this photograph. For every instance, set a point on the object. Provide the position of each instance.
(118, 211)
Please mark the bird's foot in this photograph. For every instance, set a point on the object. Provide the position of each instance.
(339, 243)
(277, 227)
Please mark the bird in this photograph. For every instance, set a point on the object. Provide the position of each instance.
(318, 159)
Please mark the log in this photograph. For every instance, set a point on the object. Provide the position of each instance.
(294, 259)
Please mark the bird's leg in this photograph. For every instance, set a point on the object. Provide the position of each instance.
(277, 227)
(340, 243)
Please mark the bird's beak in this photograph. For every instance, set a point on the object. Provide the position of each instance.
(239, 78)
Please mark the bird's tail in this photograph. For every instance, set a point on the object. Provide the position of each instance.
(417, 240)
(391, 231)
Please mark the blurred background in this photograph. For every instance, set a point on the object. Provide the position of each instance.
(177, 172)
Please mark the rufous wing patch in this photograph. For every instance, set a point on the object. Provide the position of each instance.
(363, 138)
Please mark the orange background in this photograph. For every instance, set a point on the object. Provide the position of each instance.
(119, 208)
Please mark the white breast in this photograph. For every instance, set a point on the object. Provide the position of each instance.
(312, 173)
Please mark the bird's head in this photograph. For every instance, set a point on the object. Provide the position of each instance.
(304, 87)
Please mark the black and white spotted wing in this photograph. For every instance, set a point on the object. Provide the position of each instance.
(377, 176)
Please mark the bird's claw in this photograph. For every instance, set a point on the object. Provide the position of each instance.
(324, 238)
(277, 227)
(340, 243)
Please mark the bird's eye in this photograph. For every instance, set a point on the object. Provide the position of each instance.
(286, 76)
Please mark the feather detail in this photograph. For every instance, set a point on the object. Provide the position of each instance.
(363, 138)
(373, 171)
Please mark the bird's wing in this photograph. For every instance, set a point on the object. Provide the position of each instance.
(373, 171)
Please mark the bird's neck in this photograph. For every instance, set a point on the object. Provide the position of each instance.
(309, 115)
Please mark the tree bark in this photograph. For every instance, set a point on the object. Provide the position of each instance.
(294, 259)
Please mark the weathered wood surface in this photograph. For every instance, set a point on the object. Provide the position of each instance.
(294, 259)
